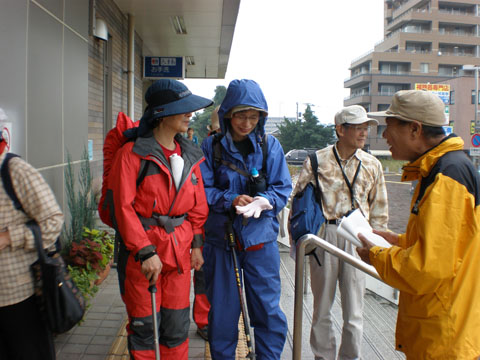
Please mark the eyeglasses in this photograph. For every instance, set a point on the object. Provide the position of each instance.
(359, 128)
(243, 117)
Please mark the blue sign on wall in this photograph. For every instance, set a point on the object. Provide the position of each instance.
(156, 67)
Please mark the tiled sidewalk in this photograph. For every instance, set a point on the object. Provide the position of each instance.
(102, 326)
(93, 338)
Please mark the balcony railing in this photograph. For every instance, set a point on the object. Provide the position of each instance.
(454, 53)
(357, 75)
(362, 56)
(456, 12)
(456, 32)
(396, 72)
(418, 51)
(357, 95)
(394, 20)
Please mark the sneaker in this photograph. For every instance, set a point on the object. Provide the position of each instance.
(203, 332)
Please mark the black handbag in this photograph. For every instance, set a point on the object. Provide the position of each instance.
(60, 301)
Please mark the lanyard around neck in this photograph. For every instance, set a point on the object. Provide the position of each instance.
(350, 185)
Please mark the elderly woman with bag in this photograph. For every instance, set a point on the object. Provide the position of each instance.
(24, 335)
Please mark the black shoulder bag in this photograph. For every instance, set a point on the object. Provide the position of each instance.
(60, 301)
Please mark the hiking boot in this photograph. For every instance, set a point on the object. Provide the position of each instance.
(203, 332)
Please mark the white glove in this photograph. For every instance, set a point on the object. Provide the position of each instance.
(258, 204)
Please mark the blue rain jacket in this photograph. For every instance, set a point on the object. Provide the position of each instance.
(223, 185)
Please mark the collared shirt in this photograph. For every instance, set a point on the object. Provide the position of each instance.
(38, 201)
(370, 192)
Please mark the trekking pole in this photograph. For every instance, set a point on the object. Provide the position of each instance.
(231, 244)
(153, 290)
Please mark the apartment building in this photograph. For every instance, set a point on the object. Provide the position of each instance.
(425, 41)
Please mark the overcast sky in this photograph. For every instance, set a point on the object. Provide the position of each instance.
(299, 51)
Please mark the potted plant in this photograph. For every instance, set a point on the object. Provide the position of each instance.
(93, 253)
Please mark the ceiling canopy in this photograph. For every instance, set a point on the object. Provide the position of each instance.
(200, 30)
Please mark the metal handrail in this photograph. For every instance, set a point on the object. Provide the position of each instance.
(299, 281)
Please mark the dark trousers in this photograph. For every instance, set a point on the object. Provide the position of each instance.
(23, 334)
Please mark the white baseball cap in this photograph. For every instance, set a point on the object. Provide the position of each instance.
(354, 114)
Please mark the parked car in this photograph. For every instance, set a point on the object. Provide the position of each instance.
(297, 156)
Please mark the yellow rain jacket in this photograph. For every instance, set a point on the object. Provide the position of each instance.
(436, 266)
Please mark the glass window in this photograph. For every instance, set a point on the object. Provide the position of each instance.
(424, 67)
(452, 97)
(473, 98)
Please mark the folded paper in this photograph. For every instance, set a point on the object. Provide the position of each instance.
(356, 223)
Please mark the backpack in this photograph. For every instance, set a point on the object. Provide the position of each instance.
(114, 140)
(306, 215)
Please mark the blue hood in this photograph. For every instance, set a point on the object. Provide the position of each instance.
(243, 92)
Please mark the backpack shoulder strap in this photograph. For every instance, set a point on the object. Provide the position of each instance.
(7, 181)
(264, 153)
(144, 165)
(314, 164)
(217, 150)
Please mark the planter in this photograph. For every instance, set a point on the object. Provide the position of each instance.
(104, 273)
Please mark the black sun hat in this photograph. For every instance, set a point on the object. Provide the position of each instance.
(167, 97)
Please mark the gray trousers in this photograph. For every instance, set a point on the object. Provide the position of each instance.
(352, 289)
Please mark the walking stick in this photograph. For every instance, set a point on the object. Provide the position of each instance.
(231, 243)
(153, 290)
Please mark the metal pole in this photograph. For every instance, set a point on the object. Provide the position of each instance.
(476, 95)
(305, 280)
(153, 291)
(299, 269)
(298, 305)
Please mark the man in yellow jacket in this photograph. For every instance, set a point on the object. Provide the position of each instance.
(436, 263)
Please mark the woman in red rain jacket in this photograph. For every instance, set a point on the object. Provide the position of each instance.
(159, 207)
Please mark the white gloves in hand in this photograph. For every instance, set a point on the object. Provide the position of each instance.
(258, 204)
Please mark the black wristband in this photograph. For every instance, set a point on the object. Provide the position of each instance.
(147, 256)
(145, 253)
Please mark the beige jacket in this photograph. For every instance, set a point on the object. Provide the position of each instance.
(38, 201)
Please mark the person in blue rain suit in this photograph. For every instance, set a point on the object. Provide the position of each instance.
(242, 116)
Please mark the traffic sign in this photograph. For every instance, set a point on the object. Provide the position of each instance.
(476, 140)
(474, 152)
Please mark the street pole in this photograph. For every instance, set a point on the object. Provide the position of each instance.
(476, 96)
(475, 161)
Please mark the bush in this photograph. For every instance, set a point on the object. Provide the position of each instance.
(81, 203)
(392, 166)
(85, 281)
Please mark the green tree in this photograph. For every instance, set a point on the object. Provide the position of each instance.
(200, 120)
(306, 133)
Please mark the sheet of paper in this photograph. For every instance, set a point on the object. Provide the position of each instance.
(356, 223)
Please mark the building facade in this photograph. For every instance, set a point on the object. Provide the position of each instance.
(425, 41)
(69, 66)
